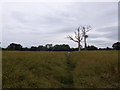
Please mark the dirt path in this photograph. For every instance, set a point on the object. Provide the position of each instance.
(70, 67)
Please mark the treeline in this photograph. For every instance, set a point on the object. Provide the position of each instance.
(47, 47)
(62, 47)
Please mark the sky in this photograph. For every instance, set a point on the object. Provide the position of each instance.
(40, 23)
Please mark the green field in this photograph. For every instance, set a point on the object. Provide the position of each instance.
(84, 69)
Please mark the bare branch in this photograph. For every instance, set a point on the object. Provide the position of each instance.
(80, 34)
(76, 37)
(88, 28)
(71, 38)
(81, 38)
(75, 33)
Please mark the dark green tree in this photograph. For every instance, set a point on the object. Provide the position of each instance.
(63, 47)
(33, 48)
(116, 46)
(91, 47)
(49, 47)
(42, 48)
(14, 46)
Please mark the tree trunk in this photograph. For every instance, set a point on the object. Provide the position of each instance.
(79, 46)
(85, 44)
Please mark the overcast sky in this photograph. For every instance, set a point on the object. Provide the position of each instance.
(33, 24)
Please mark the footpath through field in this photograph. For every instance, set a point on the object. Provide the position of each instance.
(69, 69)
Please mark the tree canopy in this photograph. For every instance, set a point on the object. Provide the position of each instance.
(116, 46)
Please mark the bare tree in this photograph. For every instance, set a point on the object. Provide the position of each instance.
(85, 29)
(78, 37)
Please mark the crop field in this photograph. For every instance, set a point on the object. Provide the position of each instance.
(42, 69)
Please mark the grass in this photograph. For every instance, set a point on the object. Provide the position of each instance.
(84, 69)
(98, 69)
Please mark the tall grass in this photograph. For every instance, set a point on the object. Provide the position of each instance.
(98, 69)
(35, 69)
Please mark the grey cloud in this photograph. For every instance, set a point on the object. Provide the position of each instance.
(110, 32)
(31, 21)
(108, 29)
(100, 43)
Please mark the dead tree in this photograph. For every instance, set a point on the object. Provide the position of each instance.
(78, 38)
(85, 29)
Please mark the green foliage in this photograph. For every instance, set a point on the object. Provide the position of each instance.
(61, 47)
(47, 47)
(91, 47)
(84, 69)
(14, 46)
(116, 46)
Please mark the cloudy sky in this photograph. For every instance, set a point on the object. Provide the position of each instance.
(33, 23)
